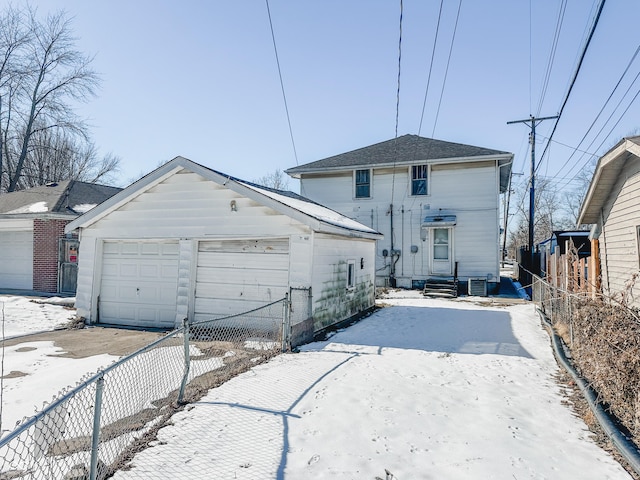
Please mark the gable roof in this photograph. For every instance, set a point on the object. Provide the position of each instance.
(406, 150)
(316, 216)
(69, 197)
(605, 178)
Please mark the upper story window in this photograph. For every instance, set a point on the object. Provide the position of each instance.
(419, 179)
(363, 183)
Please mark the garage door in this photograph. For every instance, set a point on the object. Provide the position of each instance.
(16, 267)
(139, 284)
(235, 276)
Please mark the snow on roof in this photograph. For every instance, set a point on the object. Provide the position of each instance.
(83, 207)
(315, 210)
(37, 207)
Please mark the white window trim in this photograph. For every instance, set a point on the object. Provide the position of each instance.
(351, 264)
(410, 176)
(370, 184)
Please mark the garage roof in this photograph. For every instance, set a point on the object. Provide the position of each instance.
(317, 216)
(605, 177)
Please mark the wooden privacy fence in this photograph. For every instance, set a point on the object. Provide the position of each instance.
(572, 272)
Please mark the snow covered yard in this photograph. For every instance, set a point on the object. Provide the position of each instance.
(429, 389)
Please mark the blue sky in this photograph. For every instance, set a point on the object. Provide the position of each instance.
(199, 78)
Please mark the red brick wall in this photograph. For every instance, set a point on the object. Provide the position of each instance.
(46, 235)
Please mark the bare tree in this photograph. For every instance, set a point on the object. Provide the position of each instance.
(276, 179)
(42, 138)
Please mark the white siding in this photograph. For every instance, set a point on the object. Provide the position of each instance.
(332, 301)
(16, 245)
(619, 245)
(185, 208)
(234, 276)
(468, 191)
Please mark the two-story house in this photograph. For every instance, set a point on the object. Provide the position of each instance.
(437, 204)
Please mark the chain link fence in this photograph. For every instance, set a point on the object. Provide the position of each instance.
(94, 429)
(601, 337)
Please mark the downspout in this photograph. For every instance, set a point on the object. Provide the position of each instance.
(392, 266)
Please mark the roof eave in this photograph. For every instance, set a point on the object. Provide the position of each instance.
(296, 172)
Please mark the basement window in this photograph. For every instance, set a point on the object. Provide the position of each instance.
(351, 274)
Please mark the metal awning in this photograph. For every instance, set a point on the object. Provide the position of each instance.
(438, 221)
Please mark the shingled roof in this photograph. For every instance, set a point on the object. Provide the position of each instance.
(69, 197)
(402, 150)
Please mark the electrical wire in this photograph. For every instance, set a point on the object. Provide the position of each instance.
(573, 80)
(444, 81)
(552, 55)
(433, 54)
(284, 96)
(395, 155)
(615, 88)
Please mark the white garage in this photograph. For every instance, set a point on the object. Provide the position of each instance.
(139, 283)
(187, 242)
(234, 276)
(16, 267)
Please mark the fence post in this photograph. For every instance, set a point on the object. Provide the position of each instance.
(286, 323)
(187, 360)
(95, 439)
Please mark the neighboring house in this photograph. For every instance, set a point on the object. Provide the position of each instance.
(559, 243)
(612, 207)
(36, 254)
(186, 241)
(436, 202)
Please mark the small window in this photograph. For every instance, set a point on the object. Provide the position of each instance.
(363, 183)
(419, 179)
(351, 274)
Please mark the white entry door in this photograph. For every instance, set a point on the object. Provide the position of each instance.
(441, 251)
(139, 283)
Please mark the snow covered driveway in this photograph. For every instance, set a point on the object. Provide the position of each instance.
(426, 389)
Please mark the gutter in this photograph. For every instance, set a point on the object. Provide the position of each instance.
(623, 445)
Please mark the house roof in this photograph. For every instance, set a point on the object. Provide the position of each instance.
(605, 178)
(69, 197)
(405, 150)
(317, 216)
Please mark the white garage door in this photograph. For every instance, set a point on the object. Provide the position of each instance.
(139, 284)
(235, 276)
(16, 266)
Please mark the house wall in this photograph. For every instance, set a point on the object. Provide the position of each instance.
(333, 302)
(469, 191)
(619, 254)
(46, 237)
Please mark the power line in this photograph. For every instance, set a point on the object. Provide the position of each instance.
(284, 96)
(575, 76)
(552, 54)
(433, 54)
(600, 113)
(444, 81)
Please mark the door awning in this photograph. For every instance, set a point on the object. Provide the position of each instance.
(438, 221)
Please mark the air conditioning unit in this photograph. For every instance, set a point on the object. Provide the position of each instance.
(477, 287)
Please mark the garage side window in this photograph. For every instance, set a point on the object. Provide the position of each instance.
(351, 274)
(363, 183)
(419, 179)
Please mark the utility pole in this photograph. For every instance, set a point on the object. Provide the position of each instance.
(532, 189)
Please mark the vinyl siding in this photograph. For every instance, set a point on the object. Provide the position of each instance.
(619, 245)
(468, 191)
(332, 301)
(184, 207)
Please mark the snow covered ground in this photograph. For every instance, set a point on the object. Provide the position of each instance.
(33, 373)
(424, 389)
(428, 389)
